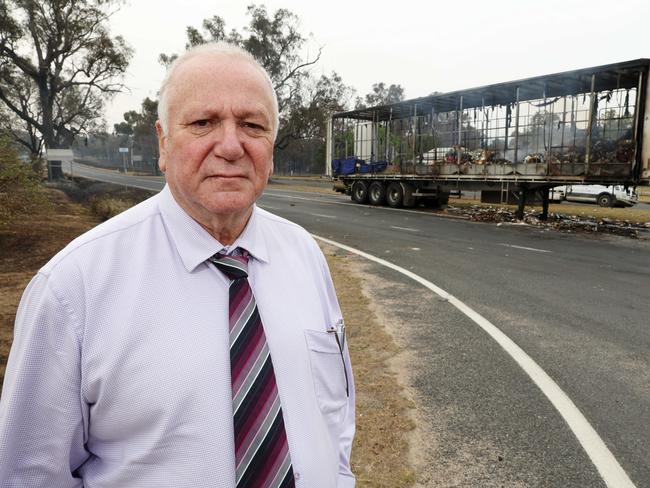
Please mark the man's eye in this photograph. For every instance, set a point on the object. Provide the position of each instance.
(254, 126)
(200, 126)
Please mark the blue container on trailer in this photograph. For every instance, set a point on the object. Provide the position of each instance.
(379, 166)
(348, 165)
(376, 167)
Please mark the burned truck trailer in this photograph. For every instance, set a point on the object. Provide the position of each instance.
(516, 138)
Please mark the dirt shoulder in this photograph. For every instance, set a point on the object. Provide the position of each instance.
(380, 455)
(27, 245)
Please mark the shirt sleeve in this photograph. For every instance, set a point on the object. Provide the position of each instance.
(41, 412)
(345, 478)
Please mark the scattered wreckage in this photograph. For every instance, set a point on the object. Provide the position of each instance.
(557, 221)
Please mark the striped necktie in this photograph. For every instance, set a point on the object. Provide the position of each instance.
(261, 448)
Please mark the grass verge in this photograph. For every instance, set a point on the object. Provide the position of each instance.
(384, 414)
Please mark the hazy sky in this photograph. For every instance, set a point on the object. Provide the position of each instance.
(425, 46)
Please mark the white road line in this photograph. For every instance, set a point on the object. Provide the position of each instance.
(610, 470)
(404, 228)
(525, 248)
(265, 207)
(323, 215)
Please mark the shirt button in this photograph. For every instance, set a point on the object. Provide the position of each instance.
(296, 476)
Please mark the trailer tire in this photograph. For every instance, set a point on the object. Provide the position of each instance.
(360, 192)
(377, 193)
(394, 195)
(605, 200)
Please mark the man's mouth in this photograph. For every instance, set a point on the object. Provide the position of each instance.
(229, 177)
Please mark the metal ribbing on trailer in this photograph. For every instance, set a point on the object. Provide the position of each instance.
(516, 155)
(590, 127)
(549, 151)
(415, 130)
(637, 114)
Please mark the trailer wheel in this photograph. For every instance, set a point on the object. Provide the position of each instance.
(605, 200)
(377, 193)
(394, 195)
(360, 191)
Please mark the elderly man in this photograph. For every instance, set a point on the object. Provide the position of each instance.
(195, 340)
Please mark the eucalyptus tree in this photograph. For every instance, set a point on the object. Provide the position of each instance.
(58, 62)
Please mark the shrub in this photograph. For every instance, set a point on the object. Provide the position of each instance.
(107, 207)
(19, 185)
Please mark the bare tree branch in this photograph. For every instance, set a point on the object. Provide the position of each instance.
(298, 68)
(78, 62)
(26, 117)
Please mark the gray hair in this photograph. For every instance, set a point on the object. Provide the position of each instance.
(211, 48)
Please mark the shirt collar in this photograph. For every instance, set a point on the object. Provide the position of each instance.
(195, 244)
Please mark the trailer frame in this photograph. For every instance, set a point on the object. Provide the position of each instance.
(576, 127)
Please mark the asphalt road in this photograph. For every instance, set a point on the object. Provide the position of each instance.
(154, 183)
(578, 305)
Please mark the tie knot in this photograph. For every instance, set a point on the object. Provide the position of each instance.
(234, 267)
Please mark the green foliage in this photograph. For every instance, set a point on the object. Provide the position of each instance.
(140, 122)
(381, 95)
(311, 109)
(19, 185)
(124, 128)
(141, 125)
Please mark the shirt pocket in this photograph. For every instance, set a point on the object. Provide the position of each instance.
(328, 373)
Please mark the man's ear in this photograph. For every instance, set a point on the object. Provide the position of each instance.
(271, 168)
(162, 141)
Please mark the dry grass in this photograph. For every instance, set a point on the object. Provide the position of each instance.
(107, 207)
(26, 245)
(384, 421)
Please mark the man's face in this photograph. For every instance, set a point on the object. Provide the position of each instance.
(217, 154)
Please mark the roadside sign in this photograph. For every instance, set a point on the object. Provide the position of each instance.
(136, 158)
(59, 154)
(124, 149)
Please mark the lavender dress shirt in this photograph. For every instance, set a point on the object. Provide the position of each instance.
(119, 374)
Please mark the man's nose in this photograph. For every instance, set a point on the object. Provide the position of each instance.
(229, 145)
